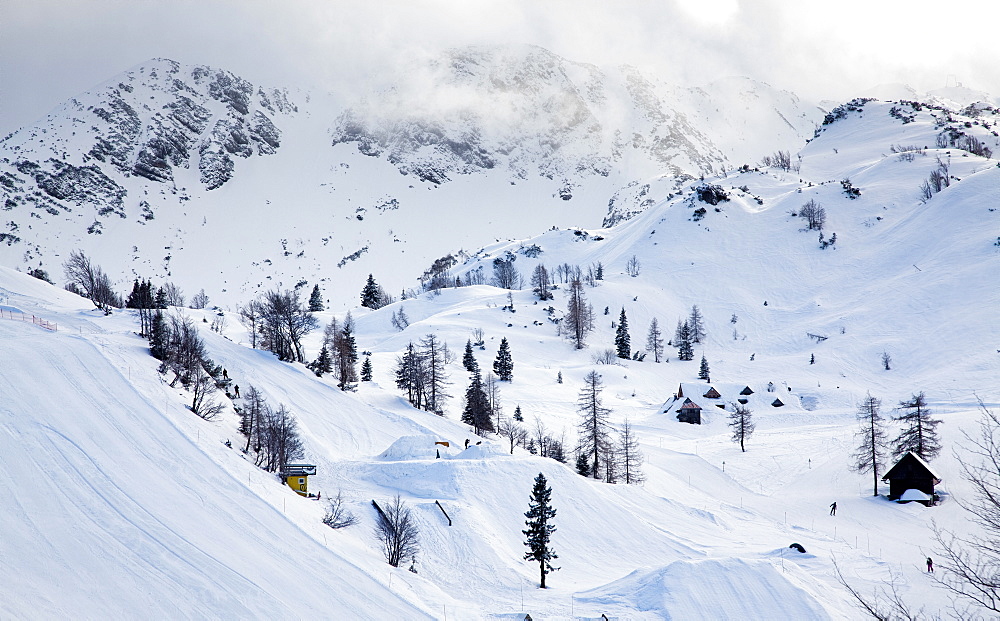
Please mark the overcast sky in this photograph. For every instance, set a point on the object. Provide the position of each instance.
(51, 50)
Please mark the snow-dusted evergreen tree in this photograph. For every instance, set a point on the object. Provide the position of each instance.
(579, 319)
(316, 300)
(469, 359)
(541, 283)
(599, 271)
(559, 379)
(696, 325)
(540, 528)
(517, 414)
(370, 294)
(436, 357)
(685, 350)
(741, 422)
(870, 453)
(654, 340)
(159, 335)
(477, 406)
(366, 369)
(410, 375)
(919, 432)
(629, 456)
(322, 364)
(346, 355)
(503, 366)
(703, 371)
(593, 425)
(251, 414)
(623, 345)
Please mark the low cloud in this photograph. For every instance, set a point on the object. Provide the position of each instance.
(51, 50)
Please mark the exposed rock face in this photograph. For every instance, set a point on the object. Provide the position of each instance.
(531, 112)
(158, 118)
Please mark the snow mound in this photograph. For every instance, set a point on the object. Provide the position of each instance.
(417, 447)
(914, 494)
(482, 451)
(712, 589)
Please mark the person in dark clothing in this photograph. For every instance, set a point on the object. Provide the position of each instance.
(236, 388)
(930, 565)
(833, 508)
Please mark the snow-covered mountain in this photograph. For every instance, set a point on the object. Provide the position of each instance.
(166, 161)
(112, 477)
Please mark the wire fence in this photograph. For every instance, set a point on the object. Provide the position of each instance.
(38, 321)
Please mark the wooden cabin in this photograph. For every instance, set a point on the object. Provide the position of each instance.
(777, 403)
(296, 476)
(689, 412)
(746, 391)
(911, 472)
(712, 393)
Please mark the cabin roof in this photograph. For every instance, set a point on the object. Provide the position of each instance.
(910, 455)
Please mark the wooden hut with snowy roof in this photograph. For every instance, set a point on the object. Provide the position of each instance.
(689, 412)
(911, 472)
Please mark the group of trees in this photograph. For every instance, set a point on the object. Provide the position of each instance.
(599, 454)
(176, 343)
(918, 434)
(339, 354)
(689, 332)
(278, 321)
(421, 374)
(86, 278)
(272, 435)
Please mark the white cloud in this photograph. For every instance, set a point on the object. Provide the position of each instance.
(51, 50)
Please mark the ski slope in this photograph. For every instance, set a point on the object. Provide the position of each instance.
(121, 502)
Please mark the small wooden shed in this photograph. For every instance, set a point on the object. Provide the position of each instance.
(712, 393)
(689, 412)
(911, 472)
(296, 476)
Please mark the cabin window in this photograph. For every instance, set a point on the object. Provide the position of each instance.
(302, 481)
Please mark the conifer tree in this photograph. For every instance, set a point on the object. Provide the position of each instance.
(410, 375)
(623, 345)
(541, 283)
(696, 325)
(579, 319)
(469, 359)
(582, 464)
(539, 533)
(366, 369)
(703, 373)
(315, 300)
(919, 432)
(346, 355)
(503, 366)
(593, 423)
(629, 455)
(159, 336)
(323, 363)
(370, 294)
(599, 275)
(477, 406)
(685, 351)
(436, 357)
(517, 414)
(654, 340)
(870, 453)
(741, 422)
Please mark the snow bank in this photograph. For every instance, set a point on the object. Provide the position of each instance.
(711, 589)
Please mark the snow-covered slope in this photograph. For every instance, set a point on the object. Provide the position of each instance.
(151, 170)
(112, 478)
